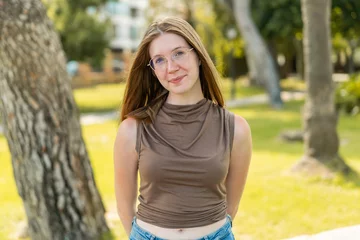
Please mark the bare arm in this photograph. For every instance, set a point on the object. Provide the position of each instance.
(125, 166)
(239, 164)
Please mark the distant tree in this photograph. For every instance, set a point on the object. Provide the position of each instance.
(345, 23)
(279, 22)
(84, 32)
(320, 119)
(51, 166)
(260, 63)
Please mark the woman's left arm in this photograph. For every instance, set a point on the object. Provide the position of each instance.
(239, 164)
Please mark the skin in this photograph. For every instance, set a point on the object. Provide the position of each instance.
(187, 91)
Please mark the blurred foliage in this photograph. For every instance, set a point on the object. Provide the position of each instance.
(345, 18)
(211, 21)
(339, 43)
(278, 19)
(347, 95)
(214, 24)
(83, 31)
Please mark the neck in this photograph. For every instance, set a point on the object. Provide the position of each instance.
(177, 99)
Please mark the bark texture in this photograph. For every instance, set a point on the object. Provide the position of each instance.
(51, 166)
(260, 63)
(320, 119)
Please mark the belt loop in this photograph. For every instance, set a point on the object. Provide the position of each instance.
(230, 219)
(133, 221)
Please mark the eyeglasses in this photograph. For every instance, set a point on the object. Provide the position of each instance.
(179, 56)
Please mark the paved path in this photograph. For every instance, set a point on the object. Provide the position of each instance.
(96, 118)
(263, 98)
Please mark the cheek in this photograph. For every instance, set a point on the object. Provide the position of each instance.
(162, 80)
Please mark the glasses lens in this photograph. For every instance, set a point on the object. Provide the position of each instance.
(179, 54)
(158, 63)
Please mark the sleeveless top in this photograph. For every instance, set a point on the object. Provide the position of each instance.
(183, 162)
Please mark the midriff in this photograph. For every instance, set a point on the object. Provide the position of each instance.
(181, 233)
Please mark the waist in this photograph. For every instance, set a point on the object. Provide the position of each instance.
(181, 233)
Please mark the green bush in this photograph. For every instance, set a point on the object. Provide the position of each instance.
(347, 96)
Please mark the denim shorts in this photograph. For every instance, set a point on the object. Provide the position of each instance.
(223, 233)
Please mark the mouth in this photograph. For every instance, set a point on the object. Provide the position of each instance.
(176, 79)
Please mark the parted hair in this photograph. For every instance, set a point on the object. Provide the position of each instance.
(144, 95)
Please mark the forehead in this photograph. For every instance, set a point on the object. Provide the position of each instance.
(165, 43)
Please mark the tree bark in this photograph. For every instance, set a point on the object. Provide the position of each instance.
(299, 58)
(320, 119)
(260, 63)
(51, 166)
(350, 58)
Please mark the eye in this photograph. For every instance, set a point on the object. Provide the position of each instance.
(159, 60)
(178, 53)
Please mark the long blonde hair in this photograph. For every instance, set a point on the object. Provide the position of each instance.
(144, 95)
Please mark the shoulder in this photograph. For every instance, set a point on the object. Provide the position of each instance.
(242, 131)
(126, 134)
(129, 124)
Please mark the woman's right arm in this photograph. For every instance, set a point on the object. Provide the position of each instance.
(125, 166)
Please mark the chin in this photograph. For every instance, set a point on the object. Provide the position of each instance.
(179, 90)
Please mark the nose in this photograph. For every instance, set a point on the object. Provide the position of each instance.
(172, 66)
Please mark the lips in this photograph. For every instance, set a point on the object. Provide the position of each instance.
(176, 79)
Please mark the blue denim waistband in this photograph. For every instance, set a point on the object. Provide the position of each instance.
(137, 233)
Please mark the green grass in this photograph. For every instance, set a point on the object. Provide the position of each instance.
(100, 98)
(241, 89)
(108, 97)
(292, 84)
(275, 205)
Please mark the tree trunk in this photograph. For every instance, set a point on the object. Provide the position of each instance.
(320, 119)
(350, 58)
(260, 63)
(51, 166)
(299, 58)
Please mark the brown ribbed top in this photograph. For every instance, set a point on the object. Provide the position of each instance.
(183, 163)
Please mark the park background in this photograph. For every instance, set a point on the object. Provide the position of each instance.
(99, 39)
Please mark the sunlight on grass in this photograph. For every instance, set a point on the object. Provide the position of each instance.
(241, 89)
(275, 205)
(11, 210)
(292, 84)
(108, 97)
(100, 98)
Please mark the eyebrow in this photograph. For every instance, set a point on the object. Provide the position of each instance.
(171, 51)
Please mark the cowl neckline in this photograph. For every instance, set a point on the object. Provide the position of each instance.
(187, 111)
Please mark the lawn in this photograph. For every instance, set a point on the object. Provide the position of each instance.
(275, 204)
(108, 97)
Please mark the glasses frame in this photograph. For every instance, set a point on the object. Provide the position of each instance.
(188, 50)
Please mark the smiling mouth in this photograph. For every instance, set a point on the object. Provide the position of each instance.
(177, 79)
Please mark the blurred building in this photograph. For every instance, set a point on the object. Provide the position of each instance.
(128, 18)
(129, 23)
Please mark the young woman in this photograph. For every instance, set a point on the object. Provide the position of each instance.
(191, 153)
